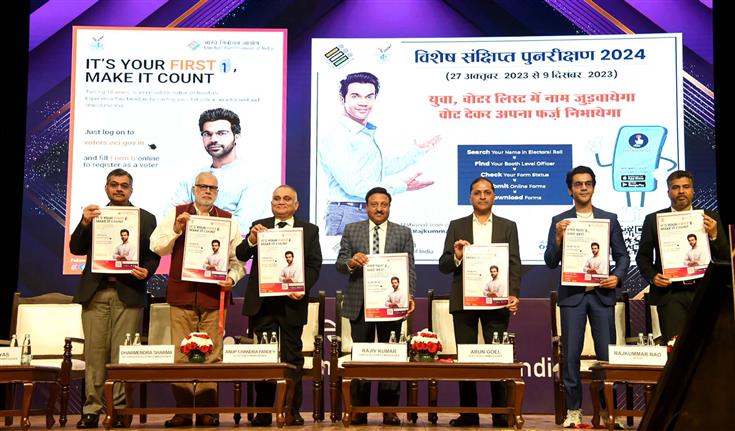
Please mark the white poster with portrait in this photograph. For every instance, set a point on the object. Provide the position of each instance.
(115, 240)
(684, 244)
(281, 262)
(585, 259)
(385, 278)
(137, 96)
(206, 249)
(485, 276)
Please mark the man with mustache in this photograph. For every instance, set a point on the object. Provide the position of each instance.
(373, 236)
(240, 192)
(112, 304)
(195, 306)
(673, 299)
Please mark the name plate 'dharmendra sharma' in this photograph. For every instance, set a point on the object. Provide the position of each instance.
(147, 354)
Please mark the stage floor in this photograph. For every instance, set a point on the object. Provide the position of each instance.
(533, 423)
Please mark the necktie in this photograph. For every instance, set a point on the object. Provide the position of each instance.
(282, 224)
(376, 240)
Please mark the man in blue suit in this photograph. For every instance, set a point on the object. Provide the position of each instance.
(373, 236)
(578, 303)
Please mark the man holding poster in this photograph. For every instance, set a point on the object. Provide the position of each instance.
(373, 236)
(482, 227)
(674, 298)
(578, 303)
(284, 314)
(196, 307)
(112, 305)
(353, 161)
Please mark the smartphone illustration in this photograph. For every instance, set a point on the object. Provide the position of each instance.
(637, 154)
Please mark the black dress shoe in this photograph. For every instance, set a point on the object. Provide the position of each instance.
(122, 421)
(467, 420)
(391, 419)
(359, 419)
(88, 420)
(262, 420)
(178, 421)
(296, 420)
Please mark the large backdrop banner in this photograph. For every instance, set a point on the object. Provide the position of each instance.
(424, 117)
(137, 97)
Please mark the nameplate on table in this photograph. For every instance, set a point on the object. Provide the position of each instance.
(9, 356)
(147, 354)
(379, 352)
(485, 353)
(250, 353)
(637, 355)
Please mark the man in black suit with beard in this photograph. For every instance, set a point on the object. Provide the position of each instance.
(287, 313)
(673, 299)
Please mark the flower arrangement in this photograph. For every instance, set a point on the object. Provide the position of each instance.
(426, 342)
(196, 346)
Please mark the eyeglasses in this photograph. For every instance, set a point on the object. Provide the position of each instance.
(219, 133)
(207, 187)
(114, 185)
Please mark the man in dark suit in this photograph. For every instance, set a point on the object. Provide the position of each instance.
(673, 299)
(373, 236)
(578, 303)
(287, 313)
(482, 227)
(112, 304)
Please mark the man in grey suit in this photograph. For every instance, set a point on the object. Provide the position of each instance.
(482, 227)
(373, 236)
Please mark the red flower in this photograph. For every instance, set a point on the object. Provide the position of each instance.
(432, 347)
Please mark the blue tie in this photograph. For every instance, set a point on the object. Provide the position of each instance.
(376, 240)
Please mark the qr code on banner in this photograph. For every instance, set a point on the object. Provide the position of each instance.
(632, 237)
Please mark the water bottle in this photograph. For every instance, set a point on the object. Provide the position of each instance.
(506, 340)
(14, 341)
(392, 338)
(403, 339)
(264, 338)
(641, 340)
(650, 340)
(136, 339)
(496, 339)
(127, 339)
(274, 340)
(25, 354)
